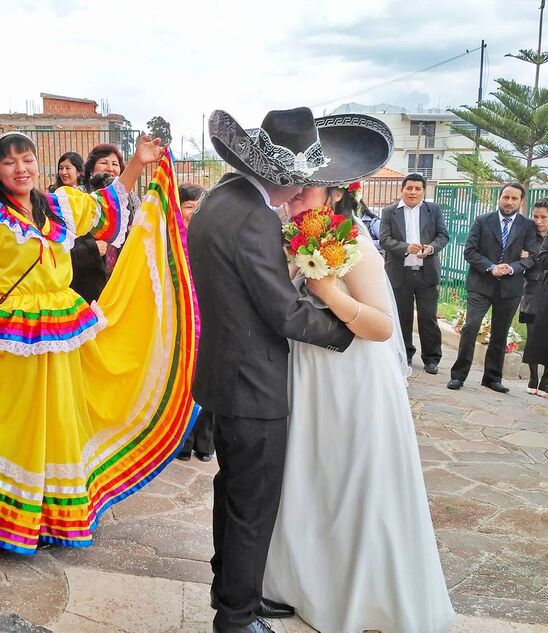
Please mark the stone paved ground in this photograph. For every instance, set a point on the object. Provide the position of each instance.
(486, 468)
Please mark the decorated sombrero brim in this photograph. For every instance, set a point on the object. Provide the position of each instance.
(355, 146)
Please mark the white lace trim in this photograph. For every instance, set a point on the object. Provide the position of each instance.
(21, 238)
(20, 475)
(123, 198)
(17, 348)
(68, 217)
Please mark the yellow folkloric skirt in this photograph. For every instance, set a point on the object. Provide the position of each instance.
(81, 430)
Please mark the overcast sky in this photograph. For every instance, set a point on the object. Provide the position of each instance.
(182, 58)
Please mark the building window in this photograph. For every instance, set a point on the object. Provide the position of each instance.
(424, 165)
(427, 130)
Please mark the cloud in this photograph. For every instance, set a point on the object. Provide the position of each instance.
(182, 60)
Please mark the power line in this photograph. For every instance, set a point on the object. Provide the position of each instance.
(398, 79)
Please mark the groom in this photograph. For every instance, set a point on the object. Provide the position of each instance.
(249, 308)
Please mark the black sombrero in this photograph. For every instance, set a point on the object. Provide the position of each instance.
(293, 148)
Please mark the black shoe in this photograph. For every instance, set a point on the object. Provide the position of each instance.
(203, 457)
(454, 384)
(267, 608)
(257, 626)
(184, 457)
(496, 386)
(431, 368)
(274, 610)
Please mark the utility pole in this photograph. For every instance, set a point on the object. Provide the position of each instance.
(417, 151)
(480, 91)
(203, 137)
(539, 49)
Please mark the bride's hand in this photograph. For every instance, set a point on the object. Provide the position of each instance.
(323, 288)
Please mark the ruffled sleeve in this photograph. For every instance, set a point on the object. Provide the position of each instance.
(104, 212)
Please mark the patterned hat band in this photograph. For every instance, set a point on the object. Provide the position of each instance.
(303, 163)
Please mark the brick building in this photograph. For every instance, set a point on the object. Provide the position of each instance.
(68, 124)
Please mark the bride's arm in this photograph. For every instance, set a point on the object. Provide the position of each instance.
(366, 309)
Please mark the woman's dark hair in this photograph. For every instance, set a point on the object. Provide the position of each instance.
(541, 203)
(365, 211)
(190, 191)
(347, 205)
(78, 163)
(20, 143)
(100, 151)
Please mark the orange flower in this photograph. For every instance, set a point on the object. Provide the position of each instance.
(334, 254)
(313, 224)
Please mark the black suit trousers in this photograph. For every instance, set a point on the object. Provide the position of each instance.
(200, 439)
(503, 310)
(426, 295)
(247, 488)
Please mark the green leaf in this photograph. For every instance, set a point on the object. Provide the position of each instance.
(303, 250)
(344, 229)
(312, 244)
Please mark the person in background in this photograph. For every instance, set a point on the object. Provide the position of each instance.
(106, 158)
(70, 171)
(494, 250)
(372, 222)
(200, 439)
(189, 196)
(532, 290)
(412, 235)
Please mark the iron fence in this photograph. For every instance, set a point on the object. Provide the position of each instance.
(460, 205)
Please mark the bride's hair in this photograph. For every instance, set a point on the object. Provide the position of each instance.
(347, 205)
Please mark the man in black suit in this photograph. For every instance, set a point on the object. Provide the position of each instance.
(495, 280)
(412, 234)
(248, 309)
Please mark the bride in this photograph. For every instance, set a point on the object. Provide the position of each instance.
(353, 548)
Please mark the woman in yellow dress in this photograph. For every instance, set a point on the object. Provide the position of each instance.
(94, 399)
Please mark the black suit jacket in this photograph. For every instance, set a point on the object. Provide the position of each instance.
(248, 305)
(394, 243)
(484, 247)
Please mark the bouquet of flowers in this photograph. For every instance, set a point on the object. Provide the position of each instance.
(320, 242)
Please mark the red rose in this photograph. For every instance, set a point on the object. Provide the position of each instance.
(354, 186)
(298, 240)
(336, 219)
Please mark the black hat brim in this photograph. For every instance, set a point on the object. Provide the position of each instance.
(357, 146)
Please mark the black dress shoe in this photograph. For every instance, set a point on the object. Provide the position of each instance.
(257, 626)
(274, 610)
(496, 386)
(454, 384)
(431, 368)
(266, 609)
(185, 457)
(203, 457)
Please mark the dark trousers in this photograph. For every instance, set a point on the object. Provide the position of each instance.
(247, 490)
(414, 289)
(503, 310)
(200, 438)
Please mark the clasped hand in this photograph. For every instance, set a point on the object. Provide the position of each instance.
(420, 250)
(323, 287)
(502, 269)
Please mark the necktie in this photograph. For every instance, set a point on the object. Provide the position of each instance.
(505, 233)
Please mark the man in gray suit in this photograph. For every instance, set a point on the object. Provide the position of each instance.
(412, 234)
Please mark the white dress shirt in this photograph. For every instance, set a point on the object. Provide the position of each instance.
(412, 231)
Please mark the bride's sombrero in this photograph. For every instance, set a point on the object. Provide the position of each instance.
(293, 148)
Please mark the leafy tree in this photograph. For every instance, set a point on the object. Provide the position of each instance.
(517, 119)
(159, 127)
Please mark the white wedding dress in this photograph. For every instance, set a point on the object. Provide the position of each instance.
(353, 548)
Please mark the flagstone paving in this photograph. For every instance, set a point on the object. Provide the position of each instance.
(485, 462)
